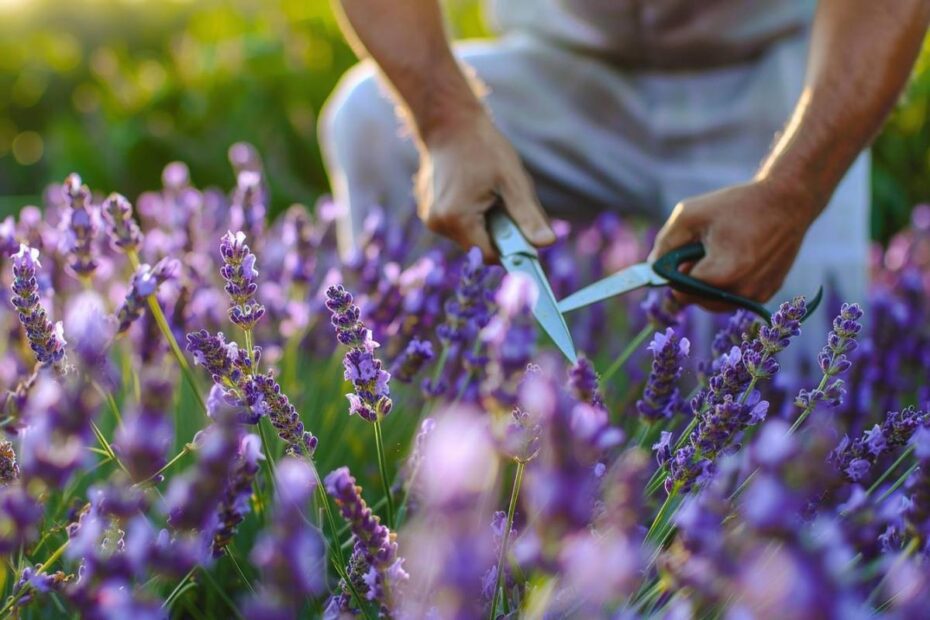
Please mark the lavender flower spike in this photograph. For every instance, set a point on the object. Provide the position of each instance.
(123, 231)
(372, 398)
(235, 501)
(80, 227)
(45, 339)
(660, 396)
(411, 361)
(144, 282)
(240, 274)
(374, 542)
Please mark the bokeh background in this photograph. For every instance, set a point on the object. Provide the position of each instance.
(115, 89)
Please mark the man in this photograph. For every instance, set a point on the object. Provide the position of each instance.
(698, 112)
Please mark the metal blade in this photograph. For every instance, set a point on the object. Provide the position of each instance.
(546, 309)
(623, 281)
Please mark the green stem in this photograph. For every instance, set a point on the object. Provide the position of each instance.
(906, 453)
(511, 509)
(382, 466)
(177, 457)
(631, 348)
(165, 329)
(43, 567)
(897, 483)
(809, 408)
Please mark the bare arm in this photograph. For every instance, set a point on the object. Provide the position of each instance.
(466, 164)
(861, 55)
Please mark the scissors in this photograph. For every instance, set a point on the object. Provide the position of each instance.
(517, 254)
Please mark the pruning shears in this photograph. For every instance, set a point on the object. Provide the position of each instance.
(519, 255)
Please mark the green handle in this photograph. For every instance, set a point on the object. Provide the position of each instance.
(667, 267)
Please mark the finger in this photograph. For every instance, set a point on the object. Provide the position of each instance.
(471, 231)
(521, 203)
(676, 232)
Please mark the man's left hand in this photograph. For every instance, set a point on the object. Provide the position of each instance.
(751, 234)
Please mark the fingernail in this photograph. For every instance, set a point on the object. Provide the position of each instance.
(544, 235)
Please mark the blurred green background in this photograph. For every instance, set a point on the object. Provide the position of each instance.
(115, 89)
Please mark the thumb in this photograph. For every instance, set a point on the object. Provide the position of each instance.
(521, 203)
(677, 231)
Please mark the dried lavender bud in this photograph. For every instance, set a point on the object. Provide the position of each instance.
(412, 360)
(79, 227)
(240, 274)
(9, 469)
(660, 396)
(145, 281)
(123, 231)
(377, 543)
(46, 340)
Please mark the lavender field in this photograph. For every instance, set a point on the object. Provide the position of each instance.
(208, 414)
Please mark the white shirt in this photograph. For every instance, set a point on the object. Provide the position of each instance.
(670, 34)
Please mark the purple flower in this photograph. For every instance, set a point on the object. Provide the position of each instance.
(411, 360)
(235, 502)
(372, 398)
(290, 553)
(20, 513)
(660, 396)
(46, 340)
(374, 542)
(145, 281)
(854, 458)
(247, 210)
(240, 274)
(661, 308)
(511, 334)
(123, 231)
(225, 361)
(470, 309)
(143, 439)
(917, 513)
(583, 381)
(79, 227)
(192, 499)
(264, 396)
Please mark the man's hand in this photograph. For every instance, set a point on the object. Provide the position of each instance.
(751, 234)
(465, 170)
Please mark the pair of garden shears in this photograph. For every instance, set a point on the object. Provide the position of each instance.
(519, 255)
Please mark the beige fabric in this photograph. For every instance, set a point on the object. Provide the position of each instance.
(658, 33)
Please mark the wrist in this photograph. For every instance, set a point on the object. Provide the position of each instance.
(447, 105)
(802, 200)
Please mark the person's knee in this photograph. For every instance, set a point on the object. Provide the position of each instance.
(355, 113)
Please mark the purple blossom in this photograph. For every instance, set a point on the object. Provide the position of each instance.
(145, 281)
(225, 361)
(833, 359)
(235, 502)
(79, 227)
(143, 439)
(122, 229)
(584, 382)
(412, 359)
(470, 310)
(290, 553)
(264, 397)
(372, 398)
(660, 396)
(374, 542)
(240, 274)
(855, 457)
(46, 340)
(662, 308)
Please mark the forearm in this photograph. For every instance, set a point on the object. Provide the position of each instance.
(861, 54)
(407, 40)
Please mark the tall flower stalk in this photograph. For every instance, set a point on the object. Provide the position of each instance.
(371, 400)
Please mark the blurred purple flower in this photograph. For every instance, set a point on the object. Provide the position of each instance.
(123, 231)
(79, 227)
(145, 281)
(235, 502)
(411, 360)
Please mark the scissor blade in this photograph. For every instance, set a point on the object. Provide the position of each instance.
(546, 309)
(623, 281)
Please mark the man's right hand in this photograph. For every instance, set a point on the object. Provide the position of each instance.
(466, 168)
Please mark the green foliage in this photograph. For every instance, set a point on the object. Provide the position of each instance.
(118, 88)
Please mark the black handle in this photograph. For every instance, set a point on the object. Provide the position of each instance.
(667, 267)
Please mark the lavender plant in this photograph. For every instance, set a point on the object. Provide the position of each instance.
(132, 486)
